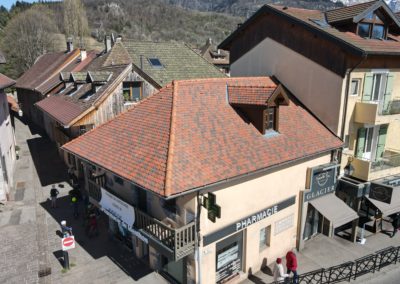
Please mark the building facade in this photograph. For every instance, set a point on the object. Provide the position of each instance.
(7, 142)
(212, 201)
(343, 65)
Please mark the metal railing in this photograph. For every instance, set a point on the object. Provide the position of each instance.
(349, 270)
(389, 160)
(392, 108)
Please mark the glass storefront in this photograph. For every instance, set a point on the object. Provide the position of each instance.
(312, 226)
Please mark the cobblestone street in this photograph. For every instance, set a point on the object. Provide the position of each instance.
(28, 227)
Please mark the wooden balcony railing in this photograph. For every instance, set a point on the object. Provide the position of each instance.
(180, 241)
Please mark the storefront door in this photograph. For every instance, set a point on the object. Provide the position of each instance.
(229, 255)
(312, 226)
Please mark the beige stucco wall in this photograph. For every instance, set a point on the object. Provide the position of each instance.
(242, 199)
(351, 127)
(315, 86)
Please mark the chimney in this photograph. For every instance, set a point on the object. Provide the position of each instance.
(112, 39)
(141, 62)
(107, 43)
(70, 46)
(83, 54)
(118, 38)
(209, 41)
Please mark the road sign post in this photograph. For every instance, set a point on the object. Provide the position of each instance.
(67, 243)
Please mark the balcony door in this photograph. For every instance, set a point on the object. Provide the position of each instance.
(378, 87)
(371, 142)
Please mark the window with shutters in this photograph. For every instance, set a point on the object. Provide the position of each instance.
(378, 88)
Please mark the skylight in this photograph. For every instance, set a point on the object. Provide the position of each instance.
(155, 62)
(320, 22)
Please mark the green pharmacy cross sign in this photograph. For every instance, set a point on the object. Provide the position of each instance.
(210, 203)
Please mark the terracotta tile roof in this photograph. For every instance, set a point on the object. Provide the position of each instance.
(308, 19)
(187, 136)
(5, 82)
(78, 99)
(250, 95)
(178, 61)
(348, 12)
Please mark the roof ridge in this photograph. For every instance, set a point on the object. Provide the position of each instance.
(222, 79)
(253, 86)
(171, 142)
(351, 6)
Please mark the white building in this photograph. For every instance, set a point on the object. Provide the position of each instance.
(7, 141)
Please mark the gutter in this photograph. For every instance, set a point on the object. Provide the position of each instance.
(346, 95)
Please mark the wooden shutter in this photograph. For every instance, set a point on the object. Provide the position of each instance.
(388, 93)
(360, 142)
(368, 83)
(381, 141)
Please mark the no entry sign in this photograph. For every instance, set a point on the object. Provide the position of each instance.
(68, 243)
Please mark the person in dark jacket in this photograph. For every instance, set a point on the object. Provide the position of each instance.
(291, 265)
(53, 194)
(395, 223)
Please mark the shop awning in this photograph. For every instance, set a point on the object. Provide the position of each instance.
(385, 208)
(334, 209)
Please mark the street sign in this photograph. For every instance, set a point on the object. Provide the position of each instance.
(68, 243)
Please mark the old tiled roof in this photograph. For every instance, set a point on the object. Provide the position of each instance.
(250, 95)
(308, 18)
(187, 136)
(100, 76)
(118, 55)
(73, 101)
(44, 75)
(5, 82)
(213, 55)
(178, 61)
(348, 12)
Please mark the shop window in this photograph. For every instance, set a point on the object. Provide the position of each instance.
(132, 91)
(265, 237)
(355, 87)
(118, 180)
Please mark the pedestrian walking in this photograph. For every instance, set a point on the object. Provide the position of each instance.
(279, 274)
(395, 223)
(291, 265)
(53, 195)
(66, 231)
(75, 206)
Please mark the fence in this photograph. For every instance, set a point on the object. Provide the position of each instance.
(349, 270)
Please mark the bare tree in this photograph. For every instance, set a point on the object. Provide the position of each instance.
(26, 37)
(75, 21)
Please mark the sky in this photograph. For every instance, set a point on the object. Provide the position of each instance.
(8, 3)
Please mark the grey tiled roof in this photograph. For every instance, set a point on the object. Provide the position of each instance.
(178, 61)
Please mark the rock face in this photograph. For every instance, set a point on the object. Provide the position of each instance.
(245, 8)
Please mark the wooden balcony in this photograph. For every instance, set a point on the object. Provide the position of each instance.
(175, 243)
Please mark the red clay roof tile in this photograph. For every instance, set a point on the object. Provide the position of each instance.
(187, 136)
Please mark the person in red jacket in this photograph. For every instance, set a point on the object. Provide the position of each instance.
(291, 264)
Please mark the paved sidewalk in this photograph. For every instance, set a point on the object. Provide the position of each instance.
(324, 252)
(29, 228)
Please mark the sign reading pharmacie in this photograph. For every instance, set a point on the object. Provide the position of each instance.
(117, 209)
(321, 180)
(245, 222)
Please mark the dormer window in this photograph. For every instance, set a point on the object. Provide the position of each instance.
(372, 27)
